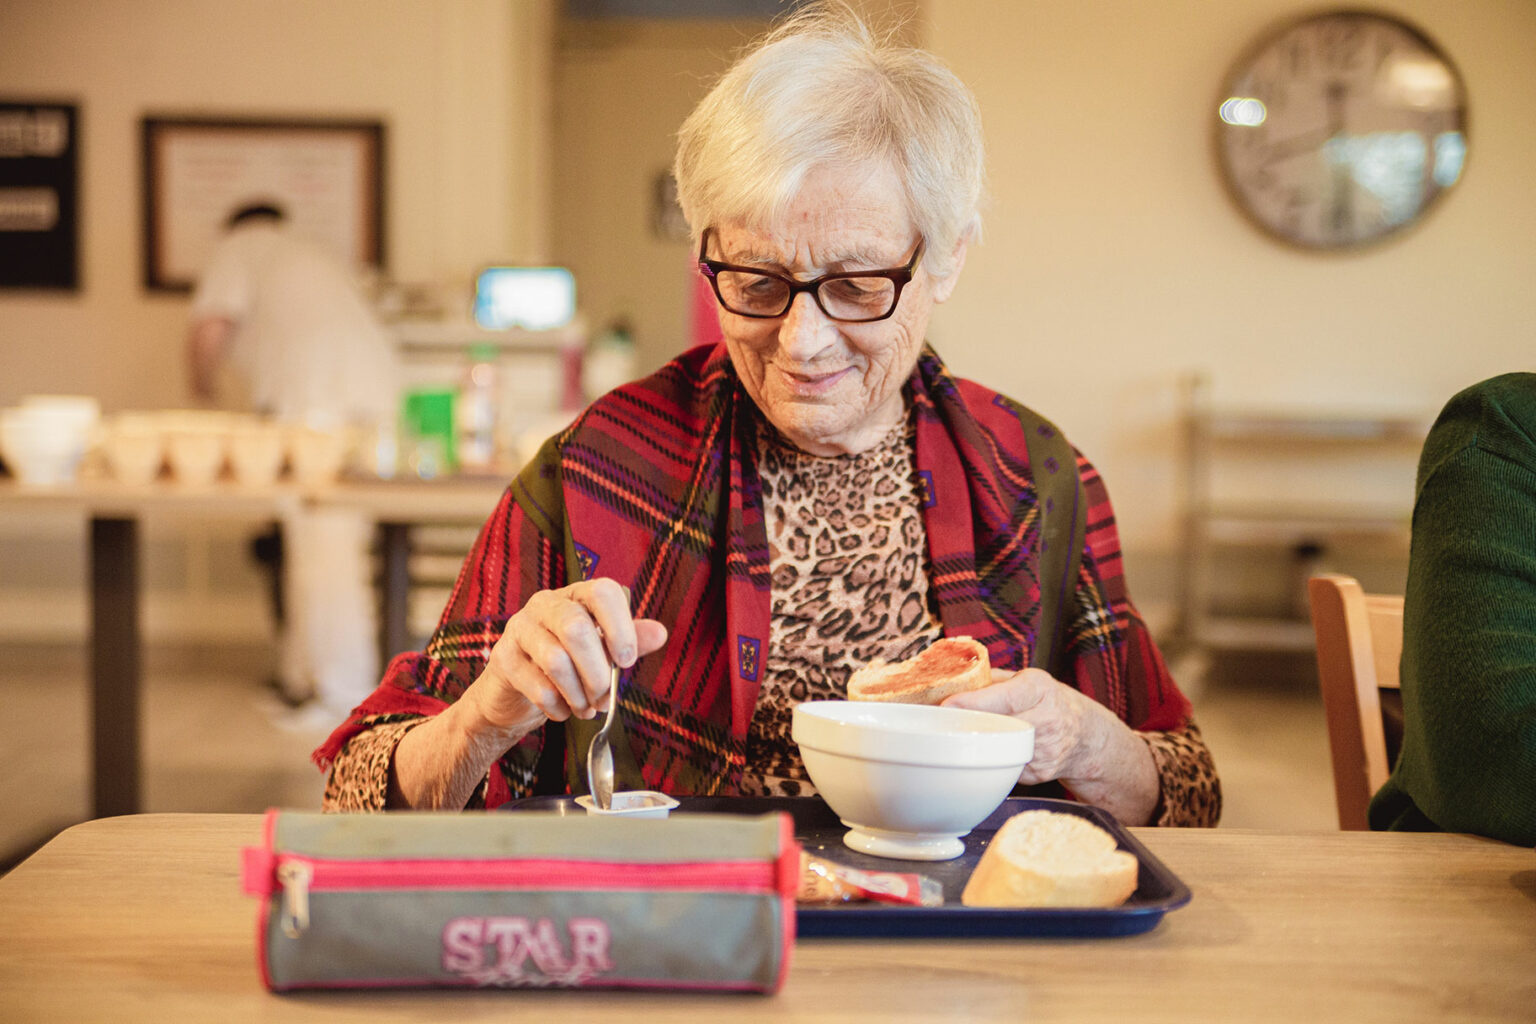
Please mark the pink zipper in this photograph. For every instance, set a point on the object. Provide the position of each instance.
(264, 873)
(328, 875)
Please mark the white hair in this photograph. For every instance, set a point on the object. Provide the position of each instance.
(821, 90)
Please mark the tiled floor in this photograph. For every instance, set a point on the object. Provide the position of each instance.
(216, 740)
(1263, 720)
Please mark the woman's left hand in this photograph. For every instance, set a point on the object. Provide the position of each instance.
(1078, 741)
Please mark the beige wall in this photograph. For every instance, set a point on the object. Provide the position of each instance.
(1113, 259)
(622, 88)
(461, 87)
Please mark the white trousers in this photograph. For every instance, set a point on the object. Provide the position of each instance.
(331, 640)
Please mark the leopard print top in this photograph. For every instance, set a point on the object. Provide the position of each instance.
(850, 584)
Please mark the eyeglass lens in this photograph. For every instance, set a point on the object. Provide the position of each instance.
(844, 298)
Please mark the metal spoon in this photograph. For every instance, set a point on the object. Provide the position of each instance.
(600, 754)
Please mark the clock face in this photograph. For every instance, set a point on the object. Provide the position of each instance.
(1341, 129)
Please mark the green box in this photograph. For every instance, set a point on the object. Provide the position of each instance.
(429, 430)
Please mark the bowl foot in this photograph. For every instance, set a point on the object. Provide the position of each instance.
(903, 845)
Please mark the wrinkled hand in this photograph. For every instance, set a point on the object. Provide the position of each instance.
(1070, 730)
(1077, 741)
(552, 660)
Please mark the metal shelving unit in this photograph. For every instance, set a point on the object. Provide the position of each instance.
(1309, 528)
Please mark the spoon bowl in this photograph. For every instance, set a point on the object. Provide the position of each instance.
(600, 754)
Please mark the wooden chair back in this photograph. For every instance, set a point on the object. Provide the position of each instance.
(1359, 645)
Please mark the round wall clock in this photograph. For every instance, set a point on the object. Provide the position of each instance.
(1341, 129)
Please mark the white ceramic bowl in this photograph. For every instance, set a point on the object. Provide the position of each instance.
(134, 447)
(196, 459)
(75, 412)
(909, 780)
(196, 443)
(44, 442)
(256, 453)
(316, 456)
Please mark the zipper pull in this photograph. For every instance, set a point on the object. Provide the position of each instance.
(295, 876)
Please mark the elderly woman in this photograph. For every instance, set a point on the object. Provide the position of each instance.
(742, 529)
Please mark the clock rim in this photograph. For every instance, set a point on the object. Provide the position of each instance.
(1261, 43)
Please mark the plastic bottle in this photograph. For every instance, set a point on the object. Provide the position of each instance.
(479, 399)
(610, 361)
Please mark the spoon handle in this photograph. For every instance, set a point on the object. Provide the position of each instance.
(600, 754)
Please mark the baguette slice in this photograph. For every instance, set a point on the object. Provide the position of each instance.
(1051, 859)
(951, 665)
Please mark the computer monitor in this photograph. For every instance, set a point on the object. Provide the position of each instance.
(533, 298)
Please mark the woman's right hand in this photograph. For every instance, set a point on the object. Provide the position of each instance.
(552, 660)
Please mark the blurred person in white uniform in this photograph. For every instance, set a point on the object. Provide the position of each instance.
(291, 321)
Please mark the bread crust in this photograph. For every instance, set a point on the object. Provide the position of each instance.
(1051, 859)
(871, 682)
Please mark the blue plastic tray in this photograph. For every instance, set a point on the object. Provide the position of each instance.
(1158, 890)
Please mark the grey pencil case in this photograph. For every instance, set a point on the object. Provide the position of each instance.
(527, 900)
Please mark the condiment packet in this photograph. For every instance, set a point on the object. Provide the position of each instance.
(825, 881)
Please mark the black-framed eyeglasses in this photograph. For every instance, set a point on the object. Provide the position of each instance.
(850, 297)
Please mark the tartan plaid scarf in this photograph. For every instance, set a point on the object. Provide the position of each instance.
(655, 485)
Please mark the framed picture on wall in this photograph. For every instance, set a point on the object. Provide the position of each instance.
(327, 177)
(39, 195)
(667, 221)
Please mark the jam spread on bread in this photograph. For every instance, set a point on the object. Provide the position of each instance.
(942, 659)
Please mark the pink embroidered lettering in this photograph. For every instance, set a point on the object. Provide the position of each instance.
(525, 952)
(463, 945)
(516, 939)
(590, 944)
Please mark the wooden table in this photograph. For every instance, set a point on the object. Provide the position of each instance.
(114, 512)
(142, 918)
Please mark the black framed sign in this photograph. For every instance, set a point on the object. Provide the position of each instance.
(328, 176)
(39, 195)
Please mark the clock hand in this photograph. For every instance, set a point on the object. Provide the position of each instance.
(1298, 145)
(1342, 215)
(1336, 94)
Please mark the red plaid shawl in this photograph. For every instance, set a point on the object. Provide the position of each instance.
(659, 489)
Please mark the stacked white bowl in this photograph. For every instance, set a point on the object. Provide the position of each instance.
(316, 457)
(257, 450)
(196, 444)
(44, 437)
(133, 445)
